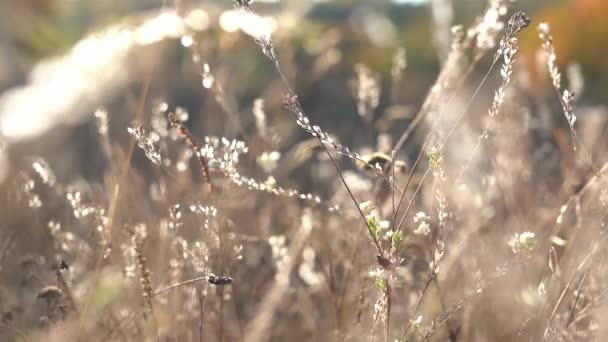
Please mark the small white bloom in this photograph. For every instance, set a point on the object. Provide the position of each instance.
(420, 217)
(423, 229)
(368, 208)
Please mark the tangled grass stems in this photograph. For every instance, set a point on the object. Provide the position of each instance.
(294, 105)
(518, 21)
(460, 43)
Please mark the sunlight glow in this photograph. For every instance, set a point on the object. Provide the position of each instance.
(61, 90)
(250, 23)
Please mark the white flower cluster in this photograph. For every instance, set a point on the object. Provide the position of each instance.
(423, 228)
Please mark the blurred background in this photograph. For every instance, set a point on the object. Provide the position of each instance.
(76, 74)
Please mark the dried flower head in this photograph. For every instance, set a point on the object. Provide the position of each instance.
(146, 143)
(518, 22)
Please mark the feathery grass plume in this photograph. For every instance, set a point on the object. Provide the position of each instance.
(566, 97)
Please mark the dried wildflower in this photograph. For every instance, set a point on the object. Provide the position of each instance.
(517, 22)
(146, 143)
(423, 228)
(224, 155)
(505, 71)
(522, 244)
(544, 33)
(566, 96)
(265, 42)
